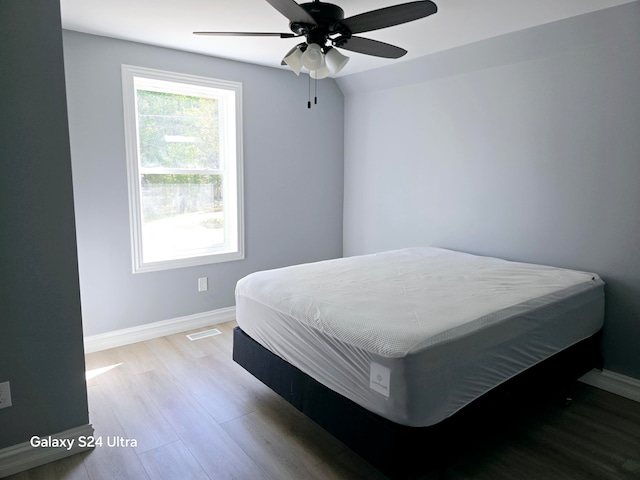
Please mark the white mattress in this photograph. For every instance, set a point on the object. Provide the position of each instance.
(416, 334)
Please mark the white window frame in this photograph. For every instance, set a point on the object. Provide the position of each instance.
(231, 94)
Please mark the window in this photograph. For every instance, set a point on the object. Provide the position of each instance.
(184, 158)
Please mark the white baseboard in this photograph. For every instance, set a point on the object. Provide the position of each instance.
(622, 385)
(126, 336)
(25, 456)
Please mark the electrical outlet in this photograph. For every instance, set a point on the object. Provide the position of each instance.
(203, 285)
(5, 395)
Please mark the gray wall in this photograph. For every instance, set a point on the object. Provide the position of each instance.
(40, 326)
(525, 146)
(293, 172)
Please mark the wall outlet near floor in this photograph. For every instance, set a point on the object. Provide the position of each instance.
(5, 395)
(203, 284)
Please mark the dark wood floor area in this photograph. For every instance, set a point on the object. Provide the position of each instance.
(195, 414)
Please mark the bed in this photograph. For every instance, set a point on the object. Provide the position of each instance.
(403, 354)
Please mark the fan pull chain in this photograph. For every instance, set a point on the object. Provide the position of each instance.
(315, 92)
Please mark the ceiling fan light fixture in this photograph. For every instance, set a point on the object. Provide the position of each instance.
(313, 58)
(320, 73)
(335, 60)
(294, 60)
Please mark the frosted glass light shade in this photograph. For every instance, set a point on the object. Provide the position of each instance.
(320, 73)
(294, 60)
(335, 60)
(313, 58)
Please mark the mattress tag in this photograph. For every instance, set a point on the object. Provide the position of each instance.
(380, 379)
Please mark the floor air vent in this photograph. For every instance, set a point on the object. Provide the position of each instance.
(203, 334)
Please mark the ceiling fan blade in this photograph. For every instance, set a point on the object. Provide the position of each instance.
(370, 47)
(389, 16)
(294, 12)
(247, 34)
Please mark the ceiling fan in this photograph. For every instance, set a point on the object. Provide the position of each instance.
(324, 27)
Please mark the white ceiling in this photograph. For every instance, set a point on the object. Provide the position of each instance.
(170, 23)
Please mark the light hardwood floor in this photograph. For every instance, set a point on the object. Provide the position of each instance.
(195, 414)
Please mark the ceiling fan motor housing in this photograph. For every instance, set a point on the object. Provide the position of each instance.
(327, 16)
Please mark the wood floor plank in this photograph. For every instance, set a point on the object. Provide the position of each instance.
(273, 451)
(555, 443)
(99, 366)
(137, 358)
(579, 447)
(223, 389)
(300, 430)
(617, 414)
(225, 341)
(195, 377)
(165, 353)
(104, 462)
(212, 447)
(194, 348)
(284, 442)
(137, 414)
(172, 461)
(199, 377)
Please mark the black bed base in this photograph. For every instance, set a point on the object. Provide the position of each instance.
(407, 452)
